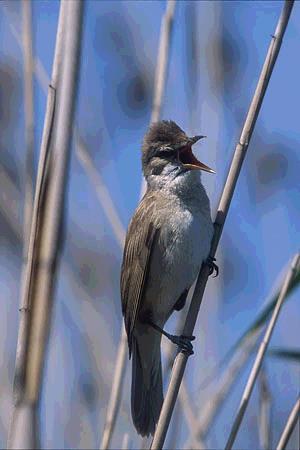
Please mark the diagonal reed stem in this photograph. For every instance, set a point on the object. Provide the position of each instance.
(220, 394)
(289, 427)
(265, 412)
(116, 391)
(102, 192)
(218, 397)
(261, 353)
(125, 442)
(236, 164)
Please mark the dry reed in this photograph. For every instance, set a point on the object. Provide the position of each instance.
(43, 251)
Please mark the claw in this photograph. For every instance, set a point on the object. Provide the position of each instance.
(190, 338)
(212, 266)
(183, 342)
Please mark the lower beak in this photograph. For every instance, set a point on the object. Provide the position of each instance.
(199, 166)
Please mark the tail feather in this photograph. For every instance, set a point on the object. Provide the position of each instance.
(146, 390)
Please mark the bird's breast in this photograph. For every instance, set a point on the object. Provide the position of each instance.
(185, 236)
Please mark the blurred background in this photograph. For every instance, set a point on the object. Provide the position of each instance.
(216, 54)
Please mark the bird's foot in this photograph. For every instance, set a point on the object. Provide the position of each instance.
(212, 266)
(183, 342)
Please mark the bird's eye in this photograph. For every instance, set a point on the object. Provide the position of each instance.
(167, 152)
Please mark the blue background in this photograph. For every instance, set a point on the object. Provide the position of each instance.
(216, 55)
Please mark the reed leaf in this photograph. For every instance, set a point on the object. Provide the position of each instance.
(262, 318)
(292, 355)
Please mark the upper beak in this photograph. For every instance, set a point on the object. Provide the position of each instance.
(194, 139)
(189, 160)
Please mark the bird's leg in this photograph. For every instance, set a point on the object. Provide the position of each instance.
(179, 305)
(183, 342)
(212, 266)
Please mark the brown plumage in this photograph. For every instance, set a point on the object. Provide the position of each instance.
(167, 240)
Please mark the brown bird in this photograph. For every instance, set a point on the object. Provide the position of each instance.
(168, 239)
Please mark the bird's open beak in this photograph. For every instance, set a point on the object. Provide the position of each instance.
(189, 160)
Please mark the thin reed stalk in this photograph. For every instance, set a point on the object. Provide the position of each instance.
(54, 197)
(289, 427)
(9, 204)
(29, 118)
(186, 404)
(102, 192)
(9, 195)
(189, 412)
(116, 391)
(190, 417)
(175, 430)
(264, 416)
(82, 153)
(261, 353)
(125, 442)
(238, 158)
(27, 272)
(39, 279)
(161, 67)
(162, 60)
(112, 215)
(218, 397)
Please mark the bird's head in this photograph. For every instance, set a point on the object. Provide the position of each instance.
(166, 148)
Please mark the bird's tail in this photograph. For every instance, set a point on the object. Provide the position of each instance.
(146, 387)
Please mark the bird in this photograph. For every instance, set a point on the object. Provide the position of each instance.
(167, 240)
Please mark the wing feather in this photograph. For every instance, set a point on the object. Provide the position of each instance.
(143, 232)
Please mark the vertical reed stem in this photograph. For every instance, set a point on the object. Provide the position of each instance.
(43, 251)
(161, 67)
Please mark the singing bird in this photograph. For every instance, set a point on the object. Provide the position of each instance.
(167, 240)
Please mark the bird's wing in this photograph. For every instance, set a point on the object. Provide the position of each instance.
(143, 233)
